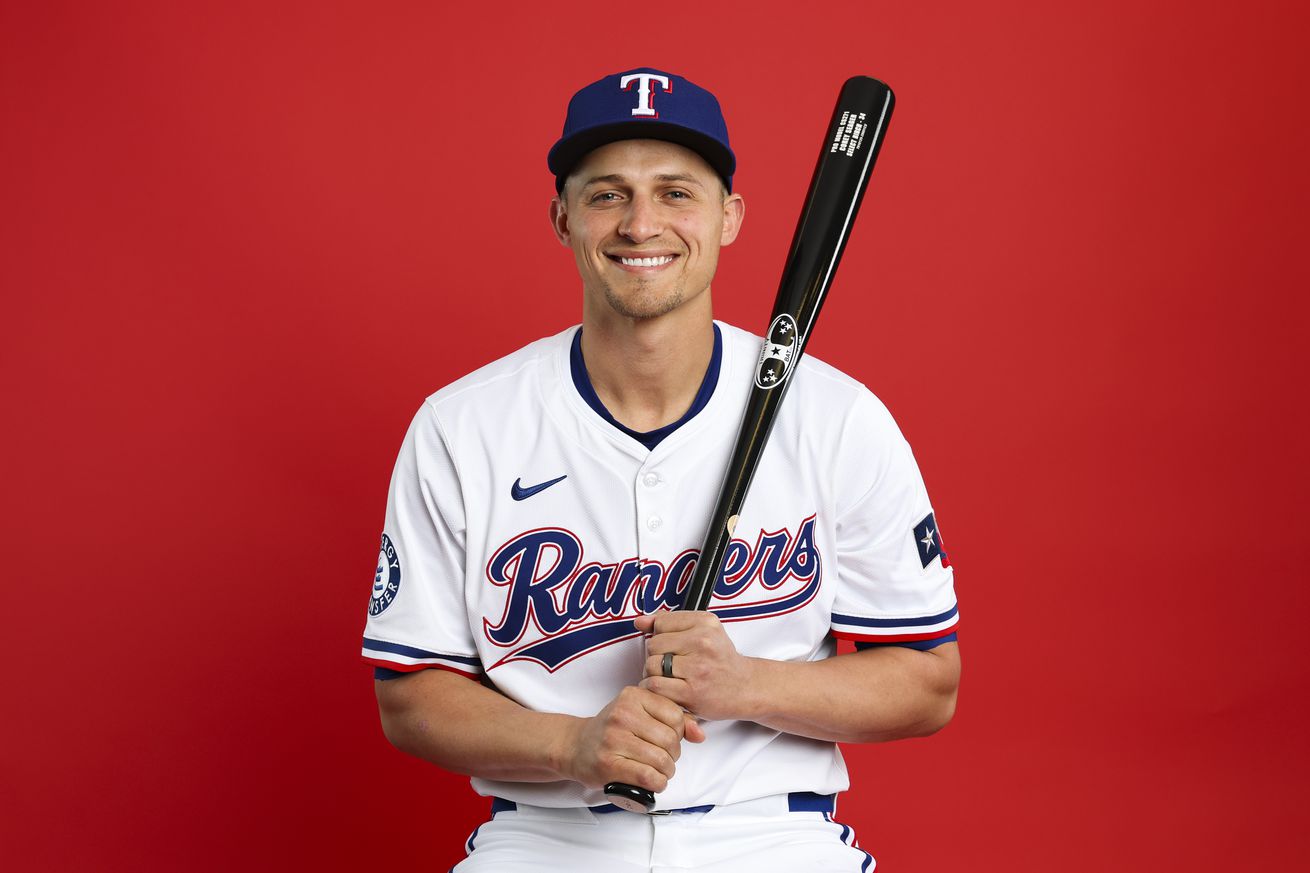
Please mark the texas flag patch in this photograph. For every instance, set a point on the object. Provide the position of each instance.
(929, 541)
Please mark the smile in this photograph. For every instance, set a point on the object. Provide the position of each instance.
(644, 262)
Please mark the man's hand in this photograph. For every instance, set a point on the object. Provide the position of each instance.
(636, 739)
(711, 678)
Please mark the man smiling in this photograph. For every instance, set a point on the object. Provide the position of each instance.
(542, 559)
(645, 220)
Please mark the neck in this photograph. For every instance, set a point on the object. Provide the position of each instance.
(647, 371)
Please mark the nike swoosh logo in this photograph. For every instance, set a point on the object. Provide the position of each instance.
(518, 492)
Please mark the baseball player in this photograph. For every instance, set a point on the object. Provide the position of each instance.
(546, 511)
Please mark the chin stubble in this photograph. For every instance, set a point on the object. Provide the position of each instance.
(641, 306)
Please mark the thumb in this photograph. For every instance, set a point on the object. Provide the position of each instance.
(691, 729)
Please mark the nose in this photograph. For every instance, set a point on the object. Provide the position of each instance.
(641, 221)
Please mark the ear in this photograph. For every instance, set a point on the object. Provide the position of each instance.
(559, 220)
(734, 212)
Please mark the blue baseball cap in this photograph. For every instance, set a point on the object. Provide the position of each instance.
(643, 104)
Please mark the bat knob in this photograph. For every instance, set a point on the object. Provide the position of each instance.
(630, 797)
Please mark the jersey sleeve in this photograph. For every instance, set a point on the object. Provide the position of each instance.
(896, 585)
(416, 616)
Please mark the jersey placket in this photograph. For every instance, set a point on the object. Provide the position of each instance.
(655, 520)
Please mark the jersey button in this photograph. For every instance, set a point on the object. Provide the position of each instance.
(650, 480)
(654, 522)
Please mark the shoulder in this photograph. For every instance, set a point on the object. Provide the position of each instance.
(500, 381)
(483, 406)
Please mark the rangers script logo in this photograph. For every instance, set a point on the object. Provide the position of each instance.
(558, 607)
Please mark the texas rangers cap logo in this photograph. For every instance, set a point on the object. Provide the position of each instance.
(644, 80)
(386, 579)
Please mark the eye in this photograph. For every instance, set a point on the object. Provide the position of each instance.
(604, 197)
(678, 194)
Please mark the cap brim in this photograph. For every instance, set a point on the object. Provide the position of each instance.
(567, 153)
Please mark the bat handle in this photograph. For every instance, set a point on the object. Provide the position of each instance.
(630, 797)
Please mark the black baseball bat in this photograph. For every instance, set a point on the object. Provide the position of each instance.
(854, 138)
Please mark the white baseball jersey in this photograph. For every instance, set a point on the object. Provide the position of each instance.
(524, 532)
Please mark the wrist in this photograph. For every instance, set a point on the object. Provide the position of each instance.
(754, 701)
(561, 741)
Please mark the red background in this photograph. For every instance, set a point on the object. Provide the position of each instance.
(241, 243)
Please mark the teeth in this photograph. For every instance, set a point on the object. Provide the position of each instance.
(646, 262)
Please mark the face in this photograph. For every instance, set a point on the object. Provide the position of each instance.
(645, 220)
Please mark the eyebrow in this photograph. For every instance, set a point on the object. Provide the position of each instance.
(620, 179)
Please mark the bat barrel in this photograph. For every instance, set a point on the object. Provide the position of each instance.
(841, 176)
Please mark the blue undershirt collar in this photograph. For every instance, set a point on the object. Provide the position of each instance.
(649, 439)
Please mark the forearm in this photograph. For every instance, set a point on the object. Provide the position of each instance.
(875, 695)
(465, 727)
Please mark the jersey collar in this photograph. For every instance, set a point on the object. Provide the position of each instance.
(650, 439)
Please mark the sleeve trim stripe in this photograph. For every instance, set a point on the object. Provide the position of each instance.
(919, 645)
(895, 638)
(942, 618)
(382, 646)
(415, 667)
